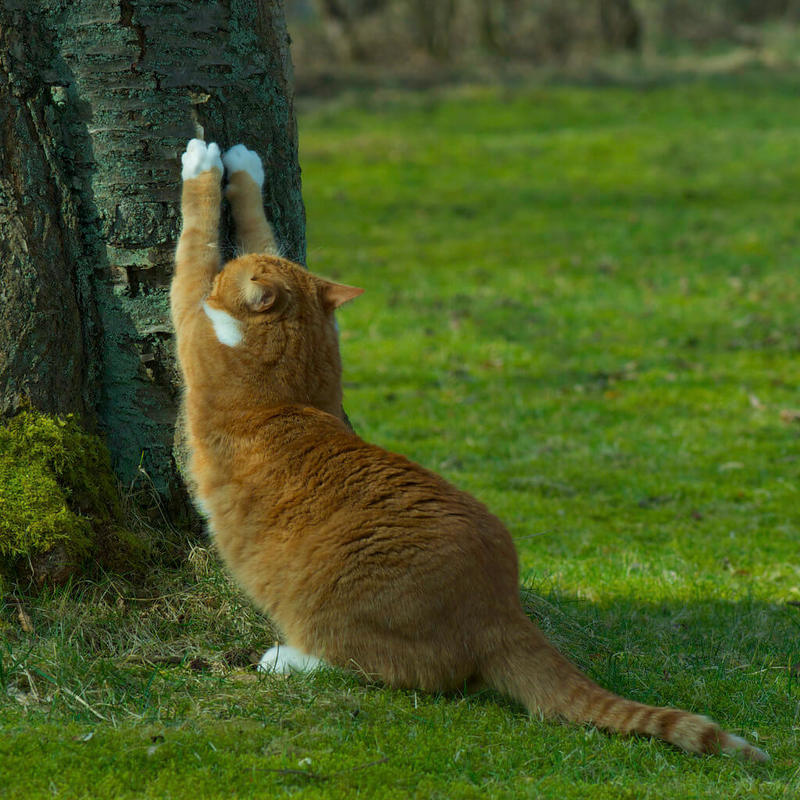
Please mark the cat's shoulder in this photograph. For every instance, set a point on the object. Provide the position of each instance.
(302, 421)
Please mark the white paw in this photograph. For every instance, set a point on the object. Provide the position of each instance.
(284, 659)
(240, 159)
(200, 157)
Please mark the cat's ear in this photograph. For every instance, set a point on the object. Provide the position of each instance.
(334, 295)
(262, 294)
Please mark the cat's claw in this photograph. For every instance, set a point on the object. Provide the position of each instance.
(240, 159)
(283, 660)
(200, 157)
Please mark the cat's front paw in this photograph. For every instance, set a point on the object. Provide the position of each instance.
(240, 159)
(283, 659)
(200, 157)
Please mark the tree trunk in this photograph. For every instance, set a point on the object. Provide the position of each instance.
(620, 25)
(97, 101)
(434, 23)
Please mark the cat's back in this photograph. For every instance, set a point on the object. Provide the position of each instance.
(315, 513)
(308, 452)
(307, 483)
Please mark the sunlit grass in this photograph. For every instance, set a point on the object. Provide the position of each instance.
(581, 306)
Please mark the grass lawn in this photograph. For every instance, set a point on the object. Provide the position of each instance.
(581, 306)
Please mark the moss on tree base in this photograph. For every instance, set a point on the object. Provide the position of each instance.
(59, 504)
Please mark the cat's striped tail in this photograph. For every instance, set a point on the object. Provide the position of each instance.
(529, 669)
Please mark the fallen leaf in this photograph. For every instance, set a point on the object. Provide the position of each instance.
(238, 657)
(23, 617)
(21, 697)
(790, 414)
(654, 500)
(243, 677)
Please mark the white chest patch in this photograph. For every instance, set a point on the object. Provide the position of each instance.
(228, 329)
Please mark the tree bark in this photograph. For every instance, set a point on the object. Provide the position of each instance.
(620, 25)
(97, 101)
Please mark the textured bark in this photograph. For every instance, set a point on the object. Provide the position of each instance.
(97, 100)
(47, 314)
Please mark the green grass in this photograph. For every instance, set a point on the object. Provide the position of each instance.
(581, 306)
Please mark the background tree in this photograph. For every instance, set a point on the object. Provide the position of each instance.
(620, 25)
(342, 19)
(433, 23)
(97, 100)
(495, 22)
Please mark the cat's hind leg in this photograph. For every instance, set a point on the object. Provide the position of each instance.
(245, 179)
(283, 659)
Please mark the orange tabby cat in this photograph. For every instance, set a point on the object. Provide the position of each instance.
(363, 558)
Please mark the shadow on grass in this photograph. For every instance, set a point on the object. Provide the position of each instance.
(738, 662)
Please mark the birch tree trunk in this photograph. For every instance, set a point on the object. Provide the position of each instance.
(97, 101)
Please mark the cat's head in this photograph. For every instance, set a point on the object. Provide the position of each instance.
(274, 312)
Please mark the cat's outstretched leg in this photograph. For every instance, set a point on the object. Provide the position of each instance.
(245, 179)
(284, 659)
(197, 257)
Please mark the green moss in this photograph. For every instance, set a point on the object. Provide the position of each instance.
(57, 489)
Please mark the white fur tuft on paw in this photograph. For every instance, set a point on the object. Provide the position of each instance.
(283, 659)
(200, 157)
(240, 159)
